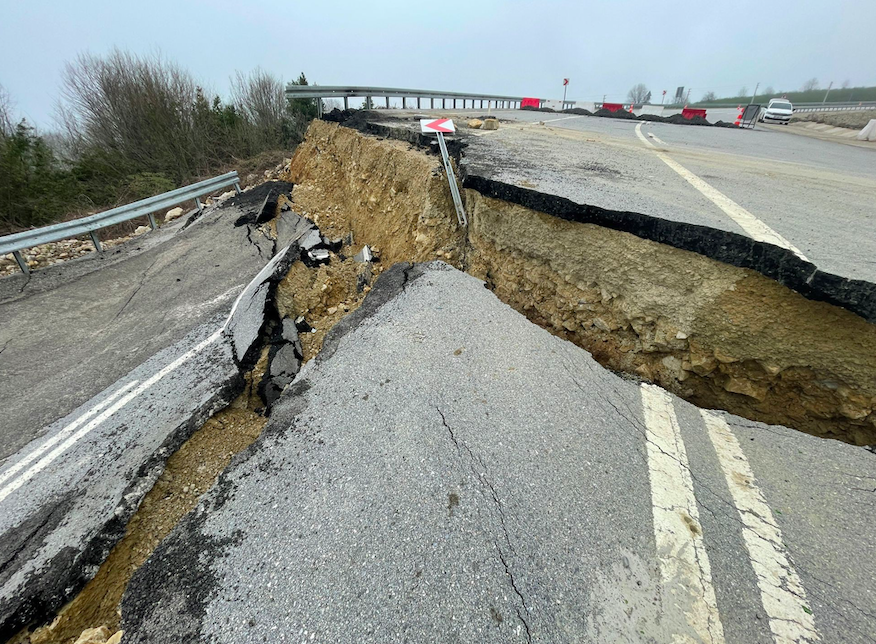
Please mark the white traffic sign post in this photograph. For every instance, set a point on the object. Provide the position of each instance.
(439, 127)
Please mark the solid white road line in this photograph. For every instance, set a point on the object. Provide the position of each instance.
(109, 411)
(654, 136)
(686, 577)
(755, 228)
(781, 590)
(54, 440)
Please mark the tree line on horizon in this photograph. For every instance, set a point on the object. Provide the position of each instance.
(129, 127)
(810, 92)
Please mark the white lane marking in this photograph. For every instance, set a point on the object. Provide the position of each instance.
(654, 136)
(755, 228)
(54, 440)
(686, 577)
(47, 460)
(781, 590)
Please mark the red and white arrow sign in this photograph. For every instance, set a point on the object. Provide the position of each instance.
(430, 126)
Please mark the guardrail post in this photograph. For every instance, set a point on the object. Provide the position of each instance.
(404, 102)
(346, 103)
(237, 188)
(96, 241)
(199, 204)
(418, 102)
(21, 263)
(152, 221)
(443, 103)
(387, 102)
(433, 103)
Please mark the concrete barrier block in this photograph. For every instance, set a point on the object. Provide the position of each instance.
(869, 132)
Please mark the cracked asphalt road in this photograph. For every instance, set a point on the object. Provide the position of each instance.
(74, 329)
(446, 471)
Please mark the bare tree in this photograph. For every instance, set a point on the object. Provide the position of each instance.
(743, 91)
(6, 124)
(709, 96)
(769, 91)
(260, 98)
(810, 85)
(846, 84)
(637, 93)
(139, 111)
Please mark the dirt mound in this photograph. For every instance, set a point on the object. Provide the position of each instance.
(579, 111)
(619, 114)
(529, 108)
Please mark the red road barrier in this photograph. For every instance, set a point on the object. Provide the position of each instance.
(530, 102)
(612, 107)
(690, 112)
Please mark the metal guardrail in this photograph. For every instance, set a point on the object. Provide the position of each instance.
(344, 92)
(835, 107)
(17, 242)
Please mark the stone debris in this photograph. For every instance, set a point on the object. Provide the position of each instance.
(142, 230)
(99, 635)
(173, 213)
(475, 123)
(491, 124)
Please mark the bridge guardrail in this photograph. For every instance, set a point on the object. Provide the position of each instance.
(17, 242)
(347, 92)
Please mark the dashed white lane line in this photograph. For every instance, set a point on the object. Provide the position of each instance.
(686, 577)
(755, 228)
(106, 413)
(781, 590)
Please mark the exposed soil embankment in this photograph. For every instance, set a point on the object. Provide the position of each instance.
(716, 334)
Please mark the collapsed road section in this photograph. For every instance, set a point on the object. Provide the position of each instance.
(446, 471)
(715, 317)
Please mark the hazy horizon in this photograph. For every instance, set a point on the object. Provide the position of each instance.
(516, 48)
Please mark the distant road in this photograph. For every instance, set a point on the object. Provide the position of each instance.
(814, 196)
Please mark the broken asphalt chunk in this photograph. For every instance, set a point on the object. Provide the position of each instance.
(364, 255)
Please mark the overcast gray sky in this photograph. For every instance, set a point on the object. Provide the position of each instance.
(517, 48)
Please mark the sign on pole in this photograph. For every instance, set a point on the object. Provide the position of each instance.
(440, 127)
(437, 126)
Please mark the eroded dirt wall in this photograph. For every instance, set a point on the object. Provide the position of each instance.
(717, 335)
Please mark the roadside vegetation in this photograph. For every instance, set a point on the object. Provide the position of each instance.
(810, 93)
(130, 127)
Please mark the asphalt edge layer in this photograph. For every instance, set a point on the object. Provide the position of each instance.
(390, 283)
(774, 262)
(71, 569)
(194, 580)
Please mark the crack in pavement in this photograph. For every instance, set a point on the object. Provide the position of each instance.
(482, 477)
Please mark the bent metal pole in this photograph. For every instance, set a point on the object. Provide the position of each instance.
(439, 127)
